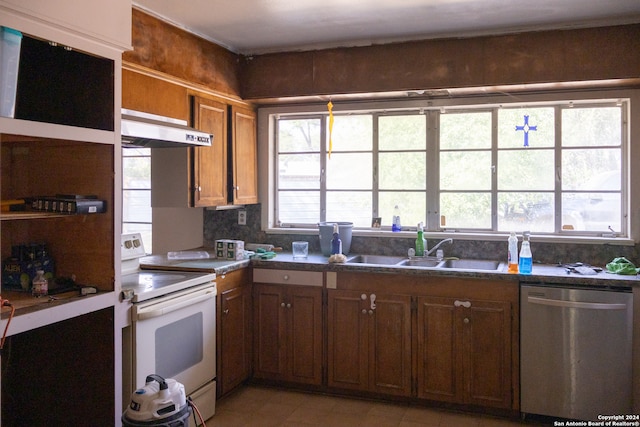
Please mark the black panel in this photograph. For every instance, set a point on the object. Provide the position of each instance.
(63, 86)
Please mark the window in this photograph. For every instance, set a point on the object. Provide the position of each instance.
(136, 193)
(554, 167)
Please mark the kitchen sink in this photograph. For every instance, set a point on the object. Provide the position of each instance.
(418, 262)
(426, 262)
(376, 259)
(471, 264)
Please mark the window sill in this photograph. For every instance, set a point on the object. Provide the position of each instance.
(545, 238)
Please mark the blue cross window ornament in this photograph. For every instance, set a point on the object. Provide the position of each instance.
(526, 128)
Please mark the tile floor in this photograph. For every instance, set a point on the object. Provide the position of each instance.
(267, 407)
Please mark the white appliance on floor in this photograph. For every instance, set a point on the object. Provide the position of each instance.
(173, 327)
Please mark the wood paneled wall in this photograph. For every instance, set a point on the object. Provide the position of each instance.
(162, 47)
(542, 57)
(525, 58)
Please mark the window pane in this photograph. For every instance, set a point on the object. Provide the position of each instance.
(466, 210)
(350, 206)
(402, 171)
(136, 172)
(517, 126)
(352, 133)
(299, 171)
(597, 169)
(526, 170)
(299, 207)
(413, 207)
(465, 130)
(351, 171)
(402, 132)
(465, 170)
(299, 135)
(591, 126)
(136, 206)
(592, 211)
(526, 211)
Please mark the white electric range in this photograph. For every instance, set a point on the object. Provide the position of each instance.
(173, 326)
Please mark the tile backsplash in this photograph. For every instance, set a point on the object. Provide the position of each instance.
(223, 224)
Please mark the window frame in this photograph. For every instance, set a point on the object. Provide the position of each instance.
(268, 116)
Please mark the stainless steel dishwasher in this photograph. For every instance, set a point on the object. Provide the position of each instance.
(575, 352)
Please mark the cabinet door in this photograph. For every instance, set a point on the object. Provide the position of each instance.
(235, 354)
(304, 332)
(487, 353)
(390, 344)
(269, 331)
(348, 355)
(245, 157)
(150, 95)
(438, 344)
(210, 163)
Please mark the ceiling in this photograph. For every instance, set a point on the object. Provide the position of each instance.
(261, 26)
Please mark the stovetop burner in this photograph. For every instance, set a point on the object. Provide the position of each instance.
(148, 284)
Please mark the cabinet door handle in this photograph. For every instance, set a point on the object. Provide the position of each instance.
(364, 311)
(282, 304)
(363, 297)
(226, 311)
(466, 320)
(199, 188)
(285, 277)
(370, 312)
(373, 301)
(465, 304)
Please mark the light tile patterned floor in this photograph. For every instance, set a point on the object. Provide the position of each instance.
(267, 407)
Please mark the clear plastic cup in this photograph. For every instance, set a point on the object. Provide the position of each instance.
(300, 249)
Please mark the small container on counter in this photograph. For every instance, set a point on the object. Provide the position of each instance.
(39, 285)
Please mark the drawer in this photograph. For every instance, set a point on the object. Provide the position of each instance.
(287, 277)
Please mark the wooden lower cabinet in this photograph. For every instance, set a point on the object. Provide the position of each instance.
(464, 351)
(234, 339)
(288, 333)
(369, 342)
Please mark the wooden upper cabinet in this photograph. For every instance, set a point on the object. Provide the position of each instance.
(150, 95)
(210, 163)
(226, 172)
(245, 157)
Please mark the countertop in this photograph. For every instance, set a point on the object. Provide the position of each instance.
(542, 273)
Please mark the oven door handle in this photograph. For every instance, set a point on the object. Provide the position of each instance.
(162, 308)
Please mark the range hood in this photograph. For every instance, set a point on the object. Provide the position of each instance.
(149, 130)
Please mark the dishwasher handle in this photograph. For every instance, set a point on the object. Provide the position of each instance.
(576, 304)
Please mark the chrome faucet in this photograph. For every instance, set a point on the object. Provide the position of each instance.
(440, 243)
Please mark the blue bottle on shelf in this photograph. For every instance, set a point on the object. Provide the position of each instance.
(396, 224)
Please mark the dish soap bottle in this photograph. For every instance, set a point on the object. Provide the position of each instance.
(420, 241)
(526, 261)
(513, 253)
(396, 225)
(336, 243)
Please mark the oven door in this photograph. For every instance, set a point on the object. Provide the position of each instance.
(174, 337)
